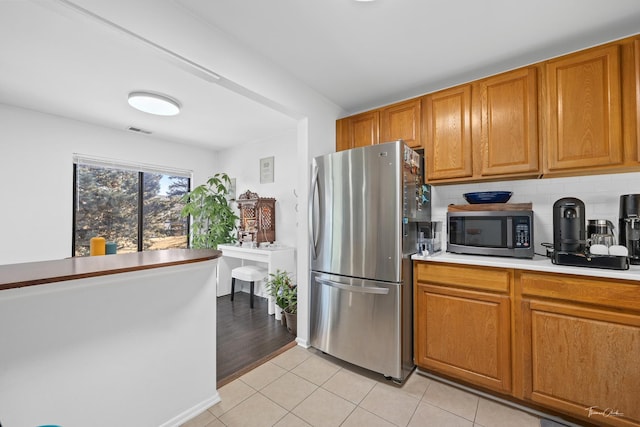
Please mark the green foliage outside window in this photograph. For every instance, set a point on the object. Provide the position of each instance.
(107, 205)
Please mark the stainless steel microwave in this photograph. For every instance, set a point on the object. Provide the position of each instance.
(499, 233)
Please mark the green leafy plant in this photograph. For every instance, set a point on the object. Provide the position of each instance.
(280, 286)
(214, 222)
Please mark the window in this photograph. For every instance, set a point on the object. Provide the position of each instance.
(136, 206)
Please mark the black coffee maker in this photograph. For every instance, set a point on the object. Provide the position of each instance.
(570, 241)
(569, 226)
(629, 225)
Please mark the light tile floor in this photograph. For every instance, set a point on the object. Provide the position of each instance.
(303, 387)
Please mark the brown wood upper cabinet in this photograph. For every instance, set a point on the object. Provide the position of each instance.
(358, 131)
(397, 121)
(447, 125)
(509, 123)
(583, 110)
(484, 130)
(401, 121)
(571, 115)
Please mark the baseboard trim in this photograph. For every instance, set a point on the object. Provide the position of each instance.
(192, 412)
(539, 414)
(302, 343)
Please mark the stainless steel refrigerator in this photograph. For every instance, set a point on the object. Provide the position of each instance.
(365, 206)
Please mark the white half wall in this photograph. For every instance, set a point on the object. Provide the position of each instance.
(36, 176)
(129, 349)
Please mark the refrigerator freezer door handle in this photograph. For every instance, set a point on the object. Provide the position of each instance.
(361, 289)
(314, 188)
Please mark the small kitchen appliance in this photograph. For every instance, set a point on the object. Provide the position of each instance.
(429, 237)
(570, 243)
(629, 225)
(601, 231)
(569, 225)
(599, 226)
(504, 232)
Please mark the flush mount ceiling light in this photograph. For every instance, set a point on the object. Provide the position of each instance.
(153, 103)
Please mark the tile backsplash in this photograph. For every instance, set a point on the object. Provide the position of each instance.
(600, 194)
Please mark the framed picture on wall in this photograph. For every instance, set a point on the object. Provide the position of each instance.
(266, 170)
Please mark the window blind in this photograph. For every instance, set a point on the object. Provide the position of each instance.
(81, 159)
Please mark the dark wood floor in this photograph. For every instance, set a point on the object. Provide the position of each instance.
(246, 337)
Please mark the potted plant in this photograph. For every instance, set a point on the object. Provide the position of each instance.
(280, 286)
(214, 221)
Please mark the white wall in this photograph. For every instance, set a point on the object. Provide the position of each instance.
(243, 164)
(600, 194)
(36, 176)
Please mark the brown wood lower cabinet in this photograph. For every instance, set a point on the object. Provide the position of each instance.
(570, 344)
(580, 346)
(462, 324)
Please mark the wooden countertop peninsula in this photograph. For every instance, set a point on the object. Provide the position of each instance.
(37, 273)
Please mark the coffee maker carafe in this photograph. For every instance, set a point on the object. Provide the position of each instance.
(569, 225)
(629, 225)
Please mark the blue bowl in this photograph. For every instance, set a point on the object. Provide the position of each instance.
(488, 197)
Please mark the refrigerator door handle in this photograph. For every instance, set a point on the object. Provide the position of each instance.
(312, 194)
(361, 289)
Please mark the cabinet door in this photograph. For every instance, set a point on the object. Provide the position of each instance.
(447, 124)
(363, 129)
(342, 134)
(465, 334)
(357, 131)
(581, 358)
(636, 60)
(584, 110)
(401, 121)
(509, 118)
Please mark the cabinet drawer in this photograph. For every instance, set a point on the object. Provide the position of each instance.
(472, 277)
(619, 294)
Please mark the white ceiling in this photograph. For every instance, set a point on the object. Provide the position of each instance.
(357, 55)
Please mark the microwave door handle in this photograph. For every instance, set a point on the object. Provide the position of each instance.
(510, 232)
(360, 289)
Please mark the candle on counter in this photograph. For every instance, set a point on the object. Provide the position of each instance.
(97, 246)
(111, 248)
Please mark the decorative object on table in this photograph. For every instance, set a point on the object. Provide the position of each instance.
(213, 219)
(488, 197)
(111, 248)
(257, 219)
(280, 286)
(266, 170)
(97, 246)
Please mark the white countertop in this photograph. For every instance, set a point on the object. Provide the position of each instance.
(538, 263)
